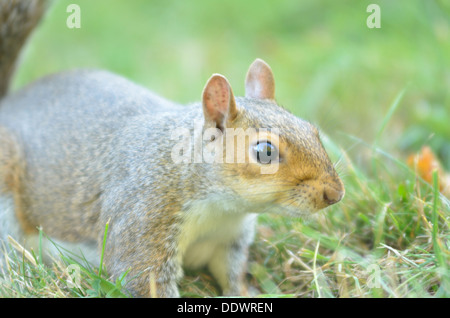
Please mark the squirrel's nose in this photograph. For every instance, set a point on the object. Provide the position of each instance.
(332, 195)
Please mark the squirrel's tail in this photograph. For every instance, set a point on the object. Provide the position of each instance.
(17, 20)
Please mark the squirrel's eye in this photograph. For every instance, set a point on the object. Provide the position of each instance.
(265, 152)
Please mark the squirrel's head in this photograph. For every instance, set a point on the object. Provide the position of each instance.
(269, 158)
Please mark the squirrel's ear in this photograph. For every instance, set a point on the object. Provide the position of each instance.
(218, 101)
(260, 83)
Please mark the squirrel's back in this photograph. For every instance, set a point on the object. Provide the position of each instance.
(83, 110)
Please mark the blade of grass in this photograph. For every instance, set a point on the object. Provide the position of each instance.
(444, 289)
(41, 259)
(380, 221)
(384, 123)
(103, 249)
(389, 115)
(25, 254)
(319, 278)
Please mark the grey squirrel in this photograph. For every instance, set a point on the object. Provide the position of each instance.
(82, 148)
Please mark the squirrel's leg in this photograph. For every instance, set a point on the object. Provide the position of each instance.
(10, 222)
(144, 247)
(150, 274)
(228, 267)
(228, 264)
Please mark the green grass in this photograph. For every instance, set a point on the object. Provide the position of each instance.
(377, 94)
(25, 274)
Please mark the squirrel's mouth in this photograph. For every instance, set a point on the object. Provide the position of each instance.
(289, 202)
(297, 206)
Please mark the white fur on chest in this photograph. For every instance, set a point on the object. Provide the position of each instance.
(208, 227)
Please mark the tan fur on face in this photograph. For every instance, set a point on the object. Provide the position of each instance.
(296, 185)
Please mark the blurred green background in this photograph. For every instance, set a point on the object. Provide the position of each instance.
(330, 68)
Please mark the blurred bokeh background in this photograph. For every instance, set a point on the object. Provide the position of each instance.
(330, 68)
